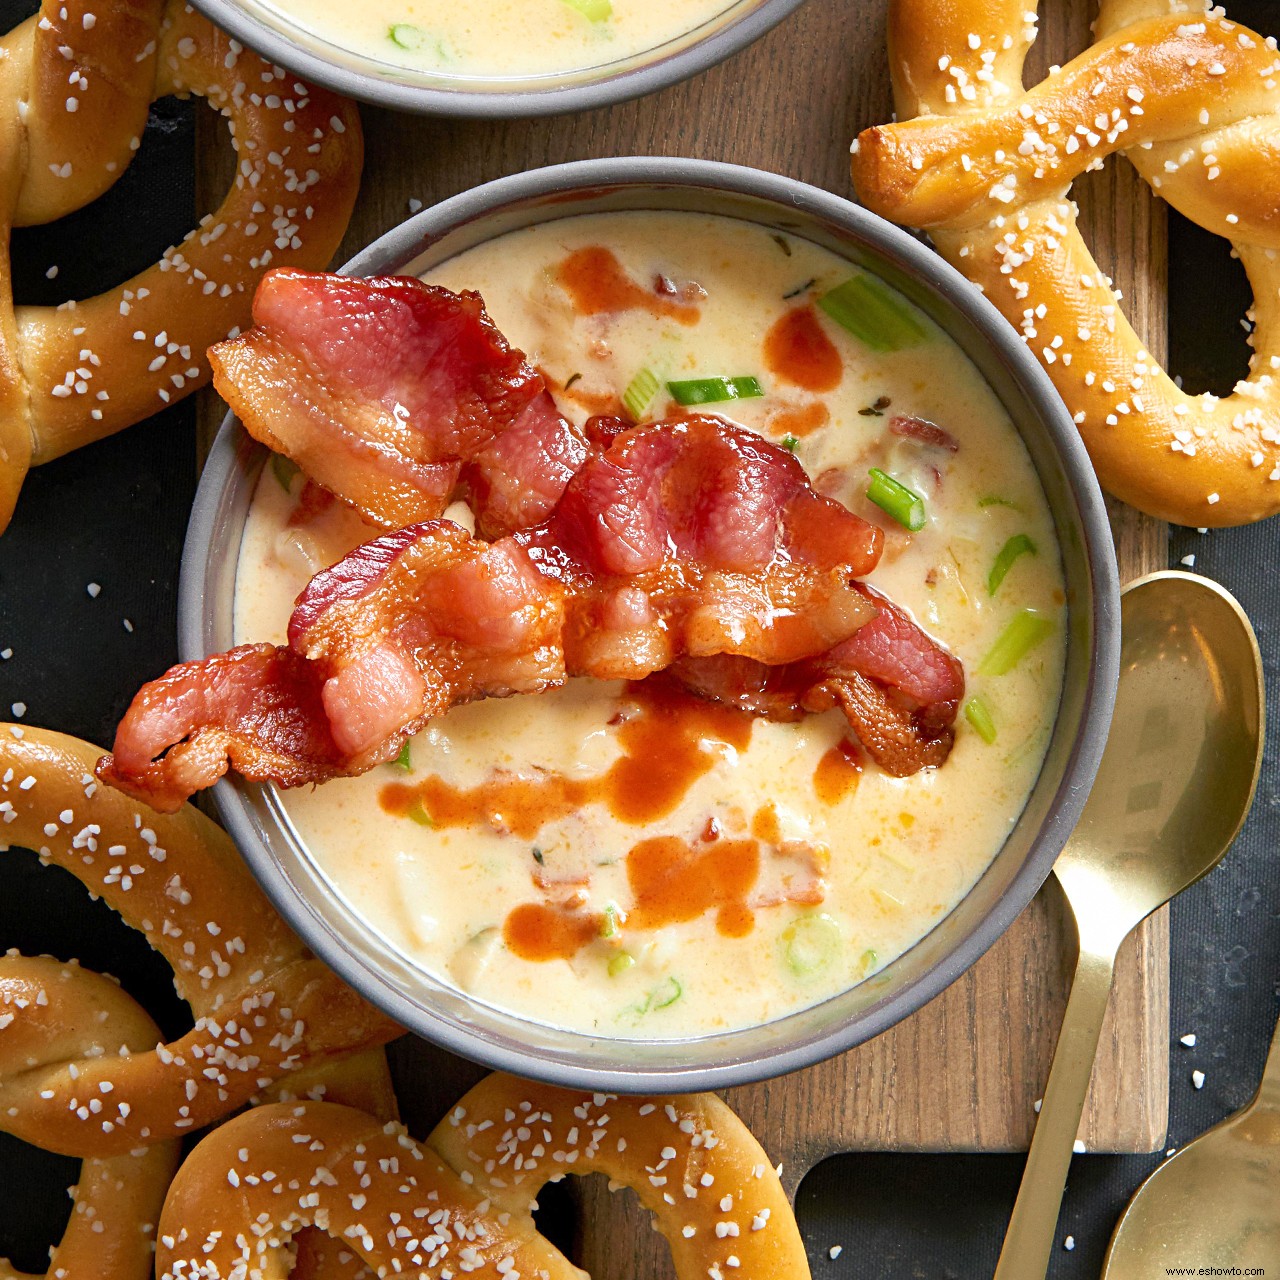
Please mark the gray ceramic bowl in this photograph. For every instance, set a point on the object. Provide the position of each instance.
(430, 93)
(502, 1040)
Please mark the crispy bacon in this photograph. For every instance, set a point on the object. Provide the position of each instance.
(898, 688)
(697, 537)
(690, 538)
(396, 395)
(395, 633)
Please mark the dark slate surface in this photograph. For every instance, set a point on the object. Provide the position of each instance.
(115, 514)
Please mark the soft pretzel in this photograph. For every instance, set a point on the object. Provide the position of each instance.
(1193, 100)
(53, 1013)
(462, 1203)
(50, 1011)
(75, 86)
(264, 1006)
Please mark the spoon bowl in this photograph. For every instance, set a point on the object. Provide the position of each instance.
(1177, 778)
(1182, 757)
(1215, 1200)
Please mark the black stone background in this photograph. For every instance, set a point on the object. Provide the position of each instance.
(115, 514)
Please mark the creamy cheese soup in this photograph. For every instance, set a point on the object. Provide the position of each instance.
(500, 38)
(628, 860)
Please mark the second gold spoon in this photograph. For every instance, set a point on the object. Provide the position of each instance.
(1176, 781)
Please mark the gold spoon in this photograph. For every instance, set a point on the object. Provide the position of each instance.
(1176, 781)
(1215, 1203)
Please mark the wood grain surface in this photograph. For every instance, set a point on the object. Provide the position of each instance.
(964, 1072)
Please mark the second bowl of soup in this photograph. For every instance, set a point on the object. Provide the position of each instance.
(624, 885)
(502, 58)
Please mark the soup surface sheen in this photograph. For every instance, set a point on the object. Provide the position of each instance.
(628, 860)
(508, 39)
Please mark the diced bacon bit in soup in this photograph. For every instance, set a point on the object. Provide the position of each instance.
(690, 538)
(396, 395)
(924, 432)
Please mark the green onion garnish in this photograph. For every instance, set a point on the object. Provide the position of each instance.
(404, 760)
(714, 390)
(640, 392)
(284, 469)
(869, 961)
(1018, 545)
(620, 963)
(1027, 630)
(592, 10)
(407, 36)
(789, 443)
(995, 500)
(905, 505)
(874, 313)
(978, 714)
(664, 994)
(417, 813)
(609, 926)
(810, 943)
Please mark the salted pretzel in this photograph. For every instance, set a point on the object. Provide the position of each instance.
(1193, 100)
(75, 86)
(462, 1203)
(54, 1011)
(264, 1007)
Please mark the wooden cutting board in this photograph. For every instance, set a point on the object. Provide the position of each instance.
(963, 1074)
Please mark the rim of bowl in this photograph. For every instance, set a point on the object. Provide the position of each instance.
(657, 70)
(400, 246)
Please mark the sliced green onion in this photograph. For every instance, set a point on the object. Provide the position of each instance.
(789, 443)
(1018, 545)
(407, 36)
(592, 10)
(995, 500)
(714, 390)
(665, 994)
(284, 469)
(978, 714)
(417, 813)
(893, 497)
(620, 963)
(874, 313)
(404, 760)
(810, 943)
(1027, 630)
(869, 961)
(609, 926)
(640, 392)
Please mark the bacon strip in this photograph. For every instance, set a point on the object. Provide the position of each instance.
(690, 538)
(397, 632)
(899, 689)
(696, 537)
(396, 396)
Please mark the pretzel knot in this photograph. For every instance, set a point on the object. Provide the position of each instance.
(1193, 100)
(53, 1010)
(264, 1007)
(462, 1203)
(76, 83)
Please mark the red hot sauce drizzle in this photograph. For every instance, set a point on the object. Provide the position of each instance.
(599, 285)
(798, 351)
(838, 772)
(668, 742)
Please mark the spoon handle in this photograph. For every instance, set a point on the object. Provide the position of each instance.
(1033, 1226)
